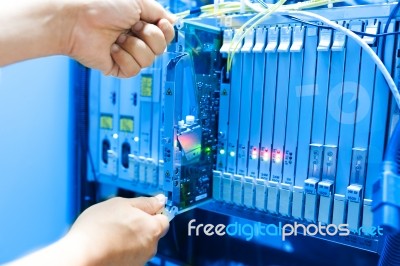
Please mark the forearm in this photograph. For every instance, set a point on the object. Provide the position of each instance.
(30, 29)
(128, 236)
(65, 252)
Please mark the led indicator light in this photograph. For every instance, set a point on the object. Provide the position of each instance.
(265, 156)
(278, 158)
(254, 154)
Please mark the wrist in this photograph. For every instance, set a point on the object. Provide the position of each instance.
(66, 16)
(78, 252)
(81, 250)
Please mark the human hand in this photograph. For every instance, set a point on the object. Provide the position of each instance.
(119, 231)
(118, 37)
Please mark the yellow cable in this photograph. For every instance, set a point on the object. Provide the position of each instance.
(258, 19)
(231, 7)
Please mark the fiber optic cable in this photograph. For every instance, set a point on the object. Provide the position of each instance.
(289, 10)
(257, 20)
(321, 26)
(357, 39)
(262, 16)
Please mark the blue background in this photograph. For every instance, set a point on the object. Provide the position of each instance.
(35, 155)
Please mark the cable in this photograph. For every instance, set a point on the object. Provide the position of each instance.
(264, 13)
(262, 3)
(257, 20)
(234, 7)
(356, 32)
(386, 203)
(222, 8)
(262, 16)
(357, 39)
(391, 16)
(390, 255)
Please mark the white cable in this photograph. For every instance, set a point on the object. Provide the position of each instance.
(256, 8)
(242, 6)
(216, 5)
(356, 38)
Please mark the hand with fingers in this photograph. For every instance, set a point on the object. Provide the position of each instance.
(120, 231)
(119, 37)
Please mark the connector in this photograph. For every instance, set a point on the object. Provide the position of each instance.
(386, 200)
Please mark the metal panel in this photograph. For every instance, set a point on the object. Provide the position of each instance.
(245, 104)
(379, 117)
(292, 125)
(269, 104)
(234, 113)
(281, 101)
(307, 97)
(256, 103)
(348, 111)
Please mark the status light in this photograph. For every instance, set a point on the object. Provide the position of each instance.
(254, 154)
(222, 152)
(232, 153)
(265, 156)
(278, 158)
(136, 139)
(115, 135)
